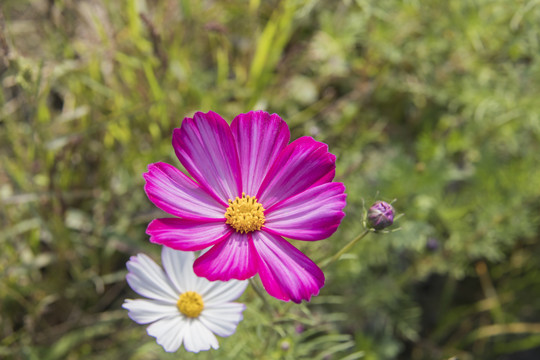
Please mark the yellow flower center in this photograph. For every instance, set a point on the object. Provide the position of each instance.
(245, 214)
(190, 304)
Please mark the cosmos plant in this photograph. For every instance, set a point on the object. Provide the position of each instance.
(248, 189)
(181, 308)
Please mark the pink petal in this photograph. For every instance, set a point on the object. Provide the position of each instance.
(233, 258)
(260, 137)
(206, 148)
(285, 272)
(314, 214)
(187, 235)
(172, 191)
(302, 164)
(328, 177)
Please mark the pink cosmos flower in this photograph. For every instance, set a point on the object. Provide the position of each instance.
(250, 189)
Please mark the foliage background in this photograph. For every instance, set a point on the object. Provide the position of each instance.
(433, 103)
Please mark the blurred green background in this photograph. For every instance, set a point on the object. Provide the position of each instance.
(433, 103)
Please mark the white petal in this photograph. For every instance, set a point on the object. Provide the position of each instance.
(178, 264)
(169, 332)
(201, 285)
(223, 291)
(198, 337)
(223, 319)
(147, 279)
(146, 311)
(188, 279)
(196, 283)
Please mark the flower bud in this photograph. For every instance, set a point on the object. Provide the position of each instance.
(432, 244)
(380, 215)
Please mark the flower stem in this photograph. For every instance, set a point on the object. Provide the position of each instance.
(258, 291)
(346, 248)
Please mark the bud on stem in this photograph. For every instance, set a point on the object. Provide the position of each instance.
(380, 215)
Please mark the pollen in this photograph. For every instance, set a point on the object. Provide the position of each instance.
(245, 214)
(190, 304)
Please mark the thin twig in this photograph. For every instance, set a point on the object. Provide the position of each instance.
(4, 48)
(156, 41)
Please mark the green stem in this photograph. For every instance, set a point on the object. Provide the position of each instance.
(258, 291)
(346, 248)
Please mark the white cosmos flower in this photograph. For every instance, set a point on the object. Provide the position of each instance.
(181, 307)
